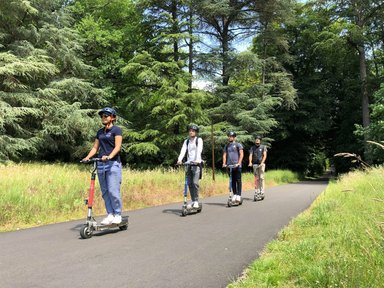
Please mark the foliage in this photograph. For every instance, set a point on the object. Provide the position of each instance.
(330, 244)
(160, 110)
(44, 99)
(34, 194)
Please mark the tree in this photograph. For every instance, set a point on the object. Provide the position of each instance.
(358, 18)
(160, 106)
(41, 87)
(223, 21)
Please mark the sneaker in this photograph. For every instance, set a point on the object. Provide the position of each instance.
(189, 206)
(195, 205)
(116, 219)
(234, 198)
(107, 220)
(238, 198)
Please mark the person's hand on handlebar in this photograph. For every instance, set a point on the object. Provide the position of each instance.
(104, 158)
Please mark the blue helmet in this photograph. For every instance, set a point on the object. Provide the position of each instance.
(108, 110)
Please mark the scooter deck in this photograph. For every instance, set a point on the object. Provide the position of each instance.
(236, 203)
(186, 211)
(124, 222)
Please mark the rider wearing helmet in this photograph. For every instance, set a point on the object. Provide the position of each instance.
(233, 155)
(258, 155)
(193, 147)
(108, 145)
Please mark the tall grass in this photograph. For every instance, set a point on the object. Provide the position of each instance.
(35, 194)
(338, 242)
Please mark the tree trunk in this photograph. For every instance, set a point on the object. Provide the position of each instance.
(175, 30)
(225, 50)
(190, 46)
(364, 88)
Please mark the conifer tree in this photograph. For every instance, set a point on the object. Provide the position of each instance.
(45, 103)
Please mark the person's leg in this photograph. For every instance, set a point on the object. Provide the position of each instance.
(234, 185)
(190, 182)
(114, 182)
(101, 174)
(238, 181)
(261, 177)
(256, 173)
(195, 183)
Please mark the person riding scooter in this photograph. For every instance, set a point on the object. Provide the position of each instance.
(193, 147)
(233, 155)
(109, 171)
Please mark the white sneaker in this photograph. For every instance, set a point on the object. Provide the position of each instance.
(195, 205)
(238, 198)
(234, 198)
(189, 206)
(107, 220)
(116, 219)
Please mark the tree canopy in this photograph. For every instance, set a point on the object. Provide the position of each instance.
(310, 82)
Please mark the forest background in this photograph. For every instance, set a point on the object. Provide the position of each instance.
(311, 80)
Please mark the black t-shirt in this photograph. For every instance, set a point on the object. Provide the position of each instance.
(107, 141)
(257, 153)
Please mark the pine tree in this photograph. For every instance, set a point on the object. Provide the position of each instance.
(45, 103)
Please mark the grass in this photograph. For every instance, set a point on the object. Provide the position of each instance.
(338, 242)
(34, 194)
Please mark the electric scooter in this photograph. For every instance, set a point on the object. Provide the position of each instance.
(259, 194)
(186, 210)
(232, 202)
(91, 224)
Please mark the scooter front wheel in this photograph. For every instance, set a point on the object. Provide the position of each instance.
(86, 232)
(184, 211)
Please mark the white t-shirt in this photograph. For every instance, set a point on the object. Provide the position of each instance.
(194, 154)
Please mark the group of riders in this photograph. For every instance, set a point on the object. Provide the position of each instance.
(107, 146)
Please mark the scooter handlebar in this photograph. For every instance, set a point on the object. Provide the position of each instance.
(92, 160)
(187, 163)
(231, 166)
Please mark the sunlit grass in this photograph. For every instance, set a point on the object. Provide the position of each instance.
(338, 242)
(36, 194)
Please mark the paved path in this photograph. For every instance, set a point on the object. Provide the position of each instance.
(159, 249)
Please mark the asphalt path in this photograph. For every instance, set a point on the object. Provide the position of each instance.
(159, 249)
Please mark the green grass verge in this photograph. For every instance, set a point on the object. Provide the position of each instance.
(338, 242)
(33, 194)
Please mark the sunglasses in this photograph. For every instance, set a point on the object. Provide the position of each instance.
(105, 115)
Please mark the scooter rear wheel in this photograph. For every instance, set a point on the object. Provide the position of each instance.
(229, 203)
(86, 232)
(123, 227)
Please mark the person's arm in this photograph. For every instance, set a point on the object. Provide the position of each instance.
(116, 150)
(93, 151)
(225, 156)
(250, 158)
(182, 152)
(264, 157)
(241, 157)
(199, 150)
